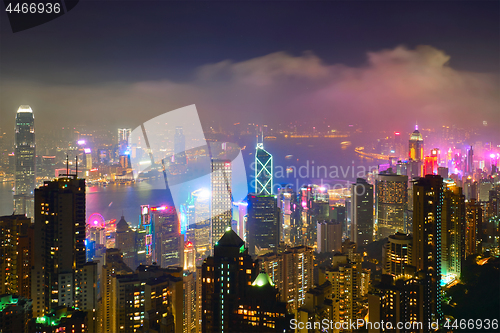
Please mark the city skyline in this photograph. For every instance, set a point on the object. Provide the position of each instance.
(250, 166)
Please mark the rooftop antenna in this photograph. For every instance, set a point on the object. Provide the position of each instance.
(67, 166)
(416, 126)
(76, 173)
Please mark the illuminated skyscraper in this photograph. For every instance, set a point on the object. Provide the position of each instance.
(59, 243)
(396, 254)
(426, 249)
(416, 148)
(221, 200)
(263, 170)
(391, 203)
(201, 228)
(473, 231)
(469, 165)
(453, 232)
(124, 135)
(16, 255)
(263, 226)
(362, 212)
(25, 170)
(226, 276)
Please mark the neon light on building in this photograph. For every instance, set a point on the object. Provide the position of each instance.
(263, 170)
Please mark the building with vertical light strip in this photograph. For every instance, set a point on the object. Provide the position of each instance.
(24, 155)
(225, 277)
(221, 199)
(453, 232)
(263, 170)
(426, 248)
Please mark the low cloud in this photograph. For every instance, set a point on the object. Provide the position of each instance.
(393, 89)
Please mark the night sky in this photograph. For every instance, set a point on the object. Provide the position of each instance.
(387, 64)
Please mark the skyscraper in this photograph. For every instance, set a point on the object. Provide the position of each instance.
(396, 254)
(329, 236)
(416, 146)
(453, 232)
(469, 165)
(124, 135)
(474, 230)
(25, 171)
(263, 169)
(426, 249)
(16, 255)
(391, 203)
(362, 212)
(263, 226)
(59, 243)
(226, 276)
(221, 200)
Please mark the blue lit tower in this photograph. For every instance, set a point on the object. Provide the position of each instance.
(263, 169)
(24, 161)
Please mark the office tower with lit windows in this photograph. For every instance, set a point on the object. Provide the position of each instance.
(25, 168)
(319, 306)
(452, 232)
(398, 300)
(262, 224)
(473, 227)
(416, 146)
(362, 212)
(345, 277)
(391, 197)
(261, 310)
(469, 162)
(60, 211)
(124, 135)
(16, 255)
(168, 242)
(263, 170)
(200, 231)
(125, 241)
(396, 254)
(298, 265)
(87, 293)
(329, 236)
(189, 301)
(225, 278)
(431, 162)
(113, 265)
(221, 199)
(426, 248)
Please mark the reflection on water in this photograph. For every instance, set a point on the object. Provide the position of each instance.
(113, 200)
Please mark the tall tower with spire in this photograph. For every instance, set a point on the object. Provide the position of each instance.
(263, 168)
(24, 155)
(416, 146)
